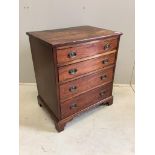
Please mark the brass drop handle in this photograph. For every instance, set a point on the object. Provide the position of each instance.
(73, 106)
(73, 88)
(72, 71)
(105, 61)
(102, 93)
(106, 46)
(71, 54)
(103, 77)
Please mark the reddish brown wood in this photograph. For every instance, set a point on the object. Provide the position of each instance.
(78, 86)
(86, 50)
(86, 58)
(49, 50)
(85, 66)
(68, 36)
(74, 105)
(43, 62)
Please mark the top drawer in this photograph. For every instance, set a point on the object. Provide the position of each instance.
(85, 50)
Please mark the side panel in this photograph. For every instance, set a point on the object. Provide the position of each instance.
(43, 62)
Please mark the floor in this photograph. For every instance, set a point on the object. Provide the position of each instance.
(105, 130)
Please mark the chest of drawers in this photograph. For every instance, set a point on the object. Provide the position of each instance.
(74, 69)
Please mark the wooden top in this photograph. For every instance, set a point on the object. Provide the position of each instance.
(78, 34)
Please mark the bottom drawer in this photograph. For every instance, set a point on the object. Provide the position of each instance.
(76, 104)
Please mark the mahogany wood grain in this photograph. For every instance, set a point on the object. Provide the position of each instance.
(74, 105)
(43, 62)
(85, 58)
(86, 50)
(78, 86)
(73, 35)
(85, 66)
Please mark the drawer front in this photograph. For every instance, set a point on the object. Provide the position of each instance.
(76, 104)
(86, 50)
(76, 87)
(77, 69)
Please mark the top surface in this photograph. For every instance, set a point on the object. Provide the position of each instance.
(72, 35)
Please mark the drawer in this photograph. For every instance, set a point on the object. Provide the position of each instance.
(76, 87)
(77, 69)
(76, 104)
(85, 50)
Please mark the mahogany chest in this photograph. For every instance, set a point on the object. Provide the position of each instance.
(74, 69)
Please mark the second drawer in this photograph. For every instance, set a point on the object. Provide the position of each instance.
(77, 69)
(76, 87)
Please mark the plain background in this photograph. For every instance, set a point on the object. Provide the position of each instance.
(51, 14)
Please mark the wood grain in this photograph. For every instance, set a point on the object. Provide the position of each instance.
(73, 35)
(85, 66)
(76, 87)
(86, 50)
(44, 67)
(74, 105)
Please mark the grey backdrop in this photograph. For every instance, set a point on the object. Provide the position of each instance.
(50, 14)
